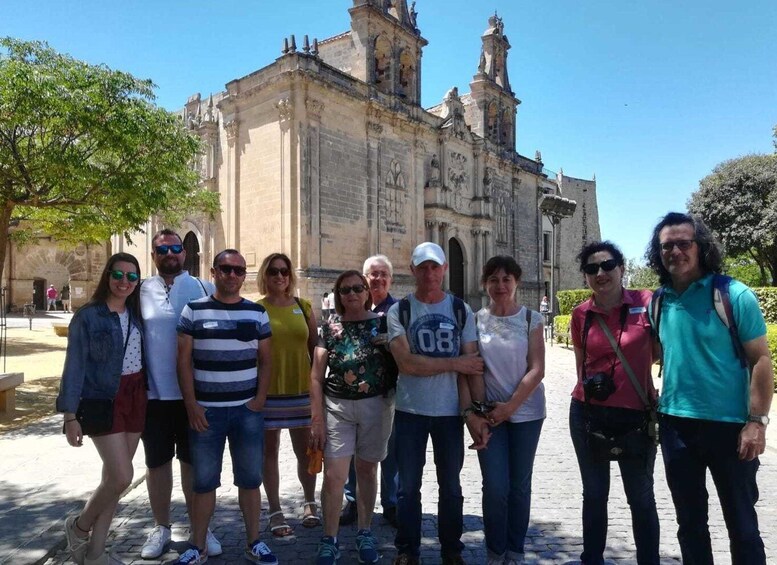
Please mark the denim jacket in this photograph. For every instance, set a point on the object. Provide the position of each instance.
(95, 355)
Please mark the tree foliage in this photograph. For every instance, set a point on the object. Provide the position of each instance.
(738, 201)
(746, 269)
(639, 275)
(84, 152)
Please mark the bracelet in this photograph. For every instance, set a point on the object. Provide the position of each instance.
(71, 420)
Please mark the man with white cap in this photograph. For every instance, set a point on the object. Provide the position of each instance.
(433, 339)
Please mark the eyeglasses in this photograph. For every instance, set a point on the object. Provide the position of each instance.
(606, 266)
(378, 275)
(681, 244)
(229, 269)
(357, 288)
(118, 275)
(275, 271)
(176, 248)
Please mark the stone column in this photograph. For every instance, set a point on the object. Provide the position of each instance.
(478, 263)
(374, 130)
(443, 242)
(232, 193)
(313, 245)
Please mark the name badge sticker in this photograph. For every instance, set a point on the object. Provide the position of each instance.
(445, 326)
(210, 325)
(637, 310)
(298, 311)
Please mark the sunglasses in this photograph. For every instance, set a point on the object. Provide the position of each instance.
(681, 244)
(163, 249)
(229, 269)
(606, 266)
(275, 271)
(118, 275)
(357, 288)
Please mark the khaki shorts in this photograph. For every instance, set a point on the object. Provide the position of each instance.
(359, 427)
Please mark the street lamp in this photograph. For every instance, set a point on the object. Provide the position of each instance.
(555, 208)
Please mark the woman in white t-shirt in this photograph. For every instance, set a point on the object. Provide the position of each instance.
(511, 344)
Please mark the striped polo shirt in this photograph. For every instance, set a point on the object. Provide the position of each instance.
(226, 339)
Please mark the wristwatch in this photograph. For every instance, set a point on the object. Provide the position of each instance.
(758, 419)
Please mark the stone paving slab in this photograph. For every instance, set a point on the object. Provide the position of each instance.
(46, 479)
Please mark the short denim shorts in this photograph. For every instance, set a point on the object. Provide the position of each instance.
(244, 429)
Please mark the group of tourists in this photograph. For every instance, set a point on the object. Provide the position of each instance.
(188, 365)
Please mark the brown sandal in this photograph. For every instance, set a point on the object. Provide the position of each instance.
(313, 519)
(279, 530)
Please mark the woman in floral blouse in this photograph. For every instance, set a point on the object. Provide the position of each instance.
(352, 413)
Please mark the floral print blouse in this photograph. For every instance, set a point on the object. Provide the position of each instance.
(357, 367)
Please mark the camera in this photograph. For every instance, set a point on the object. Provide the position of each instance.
(599, 386)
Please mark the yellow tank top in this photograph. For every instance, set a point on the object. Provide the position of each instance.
(290, 359)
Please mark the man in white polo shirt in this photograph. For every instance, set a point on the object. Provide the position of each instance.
(162, 299)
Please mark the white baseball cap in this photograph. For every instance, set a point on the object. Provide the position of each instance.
(428, 251)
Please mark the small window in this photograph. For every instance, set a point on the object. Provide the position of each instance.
(546, 246)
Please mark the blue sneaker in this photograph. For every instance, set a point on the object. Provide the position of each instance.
(365, 543)
(328, 551)
(258, 552)
(192, 556)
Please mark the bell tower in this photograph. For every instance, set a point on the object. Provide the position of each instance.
(490, 89)
(389, 45)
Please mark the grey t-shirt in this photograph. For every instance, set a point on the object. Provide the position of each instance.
(504, 346)
(432, 331)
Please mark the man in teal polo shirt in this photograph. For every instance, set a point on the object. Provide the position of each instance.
(714, 411)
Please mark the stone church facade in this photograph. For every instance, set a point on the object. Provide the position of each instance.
(327, 155)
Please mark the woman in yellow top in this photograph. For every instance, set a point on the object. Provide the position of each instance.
(295, 334)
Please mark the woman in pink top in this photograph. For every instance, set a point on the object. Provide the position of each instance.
(606, 402)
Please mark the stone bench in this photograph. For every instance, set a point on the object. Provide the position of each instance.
(8, 384)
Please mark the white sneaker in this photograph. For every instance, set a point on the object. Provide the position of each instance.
(156, 543)
(214, 545)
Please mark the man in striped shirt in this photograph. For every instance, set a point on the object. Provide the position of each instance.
(224, 374)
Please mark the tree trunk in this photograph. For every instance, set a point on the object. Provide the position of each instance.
(6, 209)
(761, 268)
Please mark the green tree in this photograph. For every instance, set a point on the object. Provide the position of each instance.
(639, 275)
(738, 201)
(85, 153)
(746, 269)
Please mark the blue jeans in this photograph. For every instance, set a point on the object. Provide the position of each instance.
(412, 434)
(637, 474)
(689, 448)
(507, 466)
(244, 429)
(389, 477)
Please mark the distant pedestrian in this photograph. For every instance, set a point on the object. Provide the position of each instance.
(224, 398)
(609, 417)
(64, 296)
(166, 432)
(544, 305)
(294, 330)
(326, 307)
(103, 395)
(51, 298)
(717, 388)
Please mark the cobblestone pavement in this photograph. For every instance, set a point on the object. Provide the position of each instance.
(36, 500)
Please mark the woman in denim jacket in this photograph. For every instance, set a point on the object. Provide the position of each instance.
(103, 389)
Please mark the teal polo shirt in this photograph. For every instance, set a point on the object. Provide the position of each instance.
(703, 377)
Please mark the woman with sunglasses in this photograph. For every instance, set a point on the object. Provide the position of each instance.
(103, 395)
(294, 331)
(352, 413)
(607, 404)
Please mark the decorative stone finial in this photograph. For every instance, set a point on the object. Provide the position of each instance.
(314, 49)
(293, 44)
(305, 44)
(285, 45)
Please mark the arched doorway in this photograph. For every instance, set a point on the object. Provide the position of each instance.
(455, 268)
(192, 248)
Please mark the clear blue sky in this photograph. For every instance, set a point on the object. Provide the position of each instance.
(649, 96)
